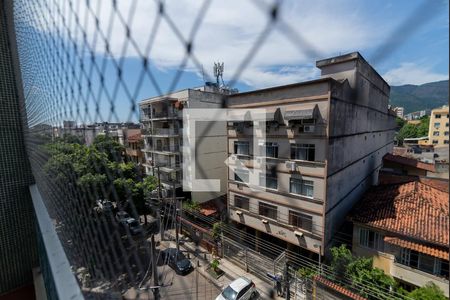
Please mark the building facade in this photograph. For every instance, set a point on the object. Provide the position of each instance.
(162, 119)
(408, 238)
(399, 111)
(325, 140)
(438, 134)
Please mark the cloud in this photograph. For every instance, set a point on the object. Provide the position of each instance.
(226, 33)
(412, 73)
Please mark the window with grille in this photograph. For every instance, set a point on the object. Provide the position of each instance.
(269, 149)
(241, 148)
(423, 262)
(371, 239)
(242, 202)
(267, 210)
(435, 133)
(300, 220)
(301, 187)
(437, 116)
(303, 152)
(269, 181)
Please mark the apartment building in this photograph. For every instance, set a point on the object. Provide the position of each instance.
(399, 111)
(162, 119)
(408, 238)
(438, 134)
(324, 144)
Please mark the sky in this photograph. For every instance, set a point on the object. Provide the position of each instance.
(407, 42)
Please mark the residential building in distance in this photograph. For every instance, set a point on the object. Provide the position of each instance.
(399, 111)
(324, 145)
(162, 121)
(438, 134)
(133, 146)
(404, 225)
(417, 114)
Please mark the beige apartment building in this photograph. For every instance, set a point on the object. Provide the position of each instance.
(438, 134)
(324, 144)
(162, 119)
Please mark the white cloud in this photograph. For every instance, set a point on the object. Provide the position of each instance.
(227, 33)
(411, 73)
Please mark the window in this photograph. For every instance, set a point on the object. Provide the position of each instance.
(446, 142)
(269, 149)
(423, 262)
(241, 175)
(301, 187)
(300, 220)
(303, 152)
(241, 202)
(437, 116)
(446, 124)
(371, 239)
(446, 133)
(435, 133)
(241, 148)
(437, 125)
(269, 181)
(435, 141)
(267, 210)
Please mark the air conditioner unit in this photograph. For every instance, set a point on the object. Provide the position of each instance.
(290, 165)
(308, 128)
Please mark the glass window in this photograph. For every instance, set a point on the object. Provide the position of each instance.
(267, 210)
(446, 142)
(241, 202)
(241, 175)
(303, 152)
(437, 125)
(437, 116)
(446, 124)
(301, 187)
(300, 220)
(371, 239)
(435, 141)
(241, 148)
(269, 181)
(446, 133)
(269, 149)
(435, 133)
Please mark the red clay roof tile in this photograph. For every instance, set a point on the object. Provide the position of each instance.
(409, 162)
(433, 251)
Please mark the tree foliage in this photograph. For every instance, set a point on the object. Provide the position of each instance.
(409, 130)
(428, 292)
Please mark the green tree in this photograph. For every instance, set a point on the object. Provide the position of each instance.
(217, 230)
(400, 122)
(407, 131)
(428, 292)
(422, 129)
(112, 148)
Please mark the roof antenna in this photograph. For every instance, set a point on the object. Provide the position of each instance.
(218, 72)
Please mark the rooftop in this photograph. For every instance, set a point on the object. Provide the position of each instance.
(409, 162)
(415, 209)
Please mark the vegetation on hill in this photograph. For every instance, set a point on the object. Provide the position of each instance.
(408, 130)
(419, 97)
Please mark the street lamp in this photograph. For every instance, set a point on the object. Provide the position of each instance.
(320, 257)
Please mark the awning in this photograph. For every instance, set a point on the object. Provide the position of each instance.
(270, 115)
(301, 114)
(432, 251)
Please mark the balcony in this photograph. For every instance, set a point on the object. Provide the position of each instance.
(417, 277)
(162, 132)
(164, 150)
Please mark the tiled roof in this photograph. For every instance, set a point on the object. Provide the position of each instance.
(338, 288)
(135, 137)
(433, 251)
(413, 209)
(391, 178)
(409, 162)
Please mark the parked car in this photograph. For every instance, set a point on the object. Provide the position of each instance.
(122, 216)
(134, 226)
(177, 261)
(240, 289)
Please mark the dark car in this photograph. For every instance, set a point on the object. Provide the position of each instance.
(122, 217)
(177, 261)
(134, 226)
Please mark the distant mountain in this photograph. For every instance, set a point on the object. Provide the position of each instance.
(418, 97)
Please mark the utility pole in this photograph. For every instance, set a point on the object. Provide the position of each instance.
(177, 238)
(155, 270)
(287, 280)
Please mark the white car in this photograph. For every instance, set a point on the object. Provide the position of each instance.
(240, 289)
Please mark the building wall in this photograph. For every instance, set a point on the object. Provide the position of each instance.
(438, 133)
(18, 250)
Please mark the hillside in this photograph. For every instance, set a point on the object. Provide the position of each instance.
(418, 97)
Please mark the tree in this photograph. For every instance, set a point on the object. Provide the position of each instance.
(112, 148)
(217, 230)
(400, 122)
(407, 131)
(428, 292)
(422, 129)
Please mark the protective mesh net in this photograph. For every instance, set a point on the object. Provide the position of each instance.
(91, 62)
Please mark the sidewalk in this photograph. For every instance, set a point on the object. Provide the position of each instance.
(231, 270)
